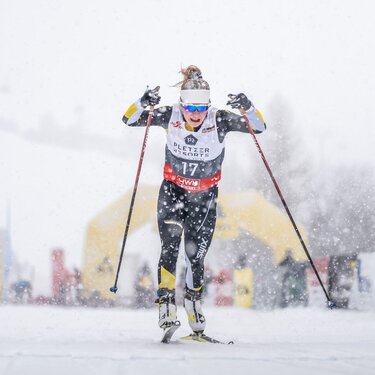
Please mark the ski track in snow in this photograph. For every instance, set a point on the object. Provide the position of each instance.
(44, 340)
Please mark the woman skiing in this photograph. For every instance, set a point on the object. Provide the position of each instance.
(187, 200)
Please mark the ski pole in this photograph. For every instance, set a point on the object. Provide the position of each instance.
(114, 288)
(330, 304)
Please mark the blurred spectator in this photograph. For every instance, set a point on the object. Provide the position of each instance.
(22, 291)
(144, 288)
(293, 282)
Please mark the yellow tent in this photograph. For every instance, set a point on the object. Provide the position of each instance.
(250, 212)
(239, 212)
(104, 238)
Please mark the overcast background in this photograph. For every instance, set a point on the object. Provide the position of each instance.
(69, 69)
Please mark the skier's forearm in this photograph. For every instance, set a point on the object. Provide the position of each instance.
(256, 120)
(136, 115)
(133, 115)
(229, 121)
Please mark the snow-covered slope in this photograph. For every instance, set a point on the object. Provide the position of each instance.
(41, 341)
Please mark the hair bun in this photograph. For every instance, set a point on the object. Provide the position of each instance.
(192, 79)
(191, 72)
(195, 75)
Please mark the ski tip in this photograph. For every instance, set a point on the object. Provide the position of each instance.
(169, 331)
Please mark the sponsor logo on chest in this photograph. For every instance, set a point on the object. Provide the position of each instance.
(190, 151)
(177, 124)
(191, 140)
(199, 146)
(190, 183)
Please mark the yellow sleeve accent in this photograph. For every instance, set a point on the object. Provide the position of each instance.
(167, 280)
(131, 110)
(259, 115)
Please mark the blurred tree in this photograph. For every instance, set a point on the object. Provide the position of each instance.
(289, 161)
(344, 214)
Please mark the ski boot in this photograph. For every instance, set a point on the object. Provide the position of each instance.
(167, 308)
(193, 307)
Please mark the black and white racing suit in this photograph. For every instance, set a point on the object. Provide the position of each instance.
(189, 191)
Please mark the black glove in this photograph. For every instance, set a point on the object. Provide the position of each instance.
(239, 101)
(151, 97)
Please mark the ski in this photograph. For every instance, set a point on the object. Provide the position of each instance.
(201, 337)
(169, 332)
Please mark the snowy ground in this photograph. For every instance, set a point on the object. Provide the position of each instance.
(51, 340)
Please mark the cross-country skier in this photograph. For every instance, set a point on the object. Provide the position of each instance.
(187, 200)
